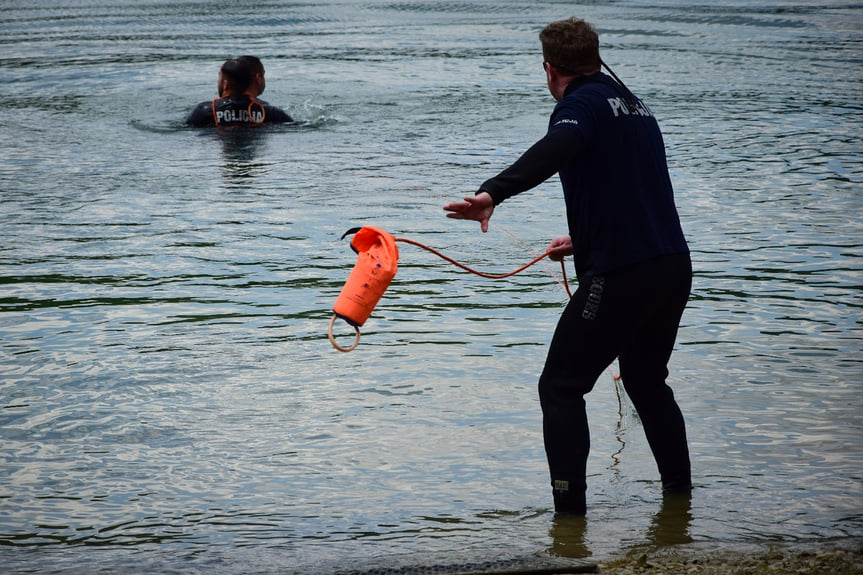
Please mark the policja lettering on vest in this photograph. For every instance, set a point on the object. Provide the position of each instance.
(240, 116)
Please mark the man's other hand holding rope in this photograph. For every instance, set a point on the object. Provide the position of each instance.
(480, 208)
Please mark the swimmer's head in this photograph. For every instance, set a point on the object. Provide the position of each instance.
(258, 83)
(235, 76)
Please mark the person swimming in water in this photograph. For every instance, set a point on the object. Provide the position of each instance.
(241, 81)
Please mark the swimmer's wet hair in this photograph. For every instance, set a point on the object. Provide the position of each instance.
(238, 73)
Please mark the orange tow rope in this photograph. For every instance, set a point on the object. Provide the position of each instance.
(377, 264)
(485, 275)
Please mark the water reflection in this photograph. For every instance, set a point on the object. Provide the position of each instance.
(568, 537)
(669, 526)
(240, 150)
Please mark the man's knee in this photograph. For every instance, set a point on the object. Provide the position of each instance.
(564, 388)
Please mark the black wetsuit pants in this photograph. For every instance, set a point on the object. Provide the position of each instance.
(631, 314)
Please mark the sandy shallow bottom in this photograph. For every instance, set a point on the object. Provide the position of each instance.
(827, 557)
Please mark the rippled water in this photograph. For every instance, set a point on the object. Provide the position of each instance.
(170, 400)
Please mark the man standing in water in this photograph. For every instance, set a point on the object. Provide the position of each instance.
(631, 259)
(241, 81)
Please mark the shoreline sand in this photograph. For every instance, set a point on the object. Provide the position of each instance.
(825, 557)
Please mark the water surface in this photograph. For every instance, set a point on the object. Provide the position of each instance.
(169, 396)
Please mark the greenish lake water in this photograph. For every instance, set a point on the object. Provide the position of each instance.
(170, 402)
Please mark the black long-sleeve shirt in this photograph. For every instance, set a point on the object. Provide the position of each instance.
(608, 149)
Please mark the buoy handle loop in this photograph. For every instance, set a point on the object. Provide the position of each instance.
(333, 339)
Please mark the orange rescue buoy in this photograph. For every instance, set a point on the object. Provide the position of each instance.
(377, 263)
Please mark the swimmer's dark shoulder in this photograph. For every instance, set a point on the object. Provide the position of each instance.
(201, 115)
(275, 115)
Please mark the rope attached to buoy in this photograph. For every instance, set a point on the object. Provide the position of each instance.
(486, 275)
(357, 322)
